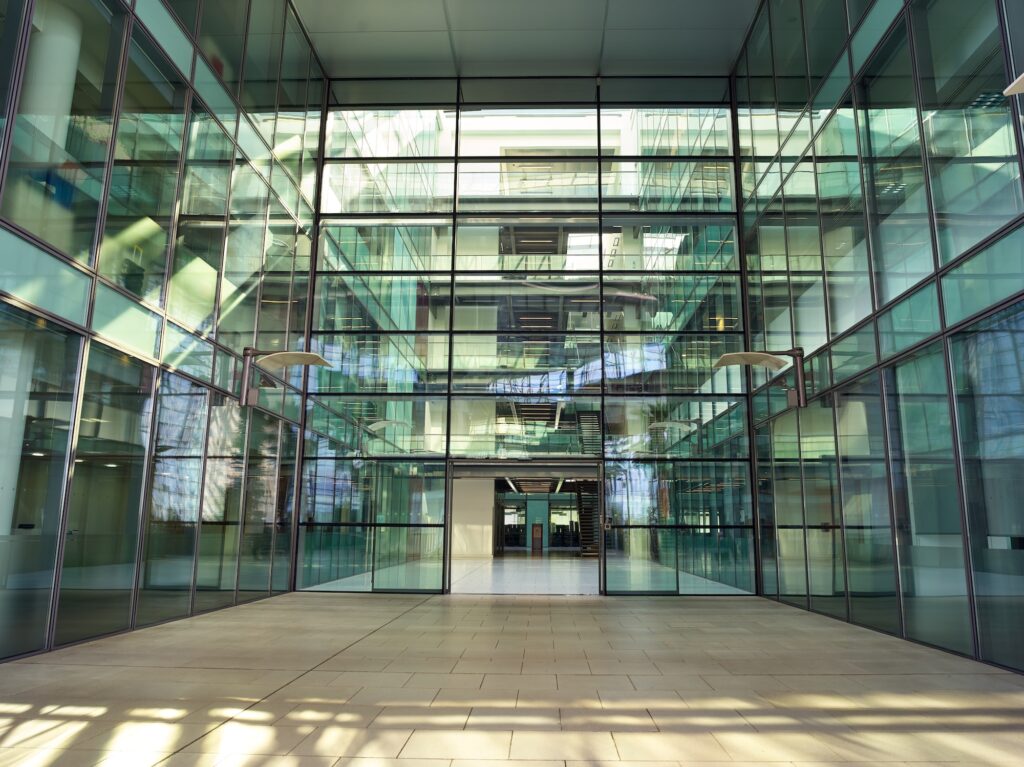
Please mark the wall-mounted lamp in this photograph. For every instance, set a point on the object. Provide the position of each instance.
(796, 397)
(272, 361)
(1016, 88)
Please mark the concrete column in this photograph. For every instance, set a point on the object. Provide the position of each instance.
(53, 57)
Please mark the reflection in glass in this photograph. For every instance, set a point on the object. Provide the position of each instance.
(665, 131)
(894, 171)
(674, 427)
(381, 426)
(219, 528)
(528, 244)
(61, 133)
(527, 185)
(526, 303)
(165, 583)
(668, 244)
(677, 493)
(418, 132)
(517, 364)
(663, 186)
(528, 131)
(391, 187)
(37, 372)
(671, 364)
(989, 391)
(386, 246)
(410, 364)
(535, 427)
(144, 180)
(683, 303)
(98, 571)
(865, 499)
(370, 303)
(259, 508)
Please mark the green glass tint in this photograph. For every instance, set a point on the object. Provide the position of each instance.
(677, 493)
(972, 151)
(665, 186)
(381, 303)
(221, 39)
(665, 131)
(909, 322)
(526, 365)
(667, 245)
(408, 364)
(537, 244)
(929, 531)
(674, 427)
(527, 185)
(985, 279)
(98, 568)
(526, 303)
(525, 427)
(525, 132)
(386, 246)
(144, 180)
(38, 385)
(671, 364)
(175, 491)
(660, 303)
(989, 396)
(42, 279)
(54, 184)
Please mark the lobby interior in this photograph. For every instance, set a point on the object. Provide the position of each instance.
(549, 383)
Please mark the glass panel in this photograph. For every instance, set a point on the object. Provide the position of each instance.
(972, 151)
(873, 28)
(371, 303)
(42, 279)
(380, 133)
(37, 379)
(10, 29)
(825, 33)
(259, 514)
(527, 185)
(161, 25)
(665, 131)
(854, 353)
(989, 389)
(144, 181)
(674, 427)
(985, 279)
(222, 497)
(911, 321)
(928, 528)
(165, 584)
(221, 39)
(641, 560)
(667, 245)
(788, 47)
(263, 64)
(787, 499)
(525, 428)
(184, 352)
(121, 319)
(379, 426)
(767, 543)
(671, 364)
(690, 303)
(528, 131)
(716, 561)
(395, 187)
(515, 364)
(408, 558)
(528, 244)
(677, 493)
(400, 246)
(61, 134)
(98, 570)
(664, 186)
(865, 495)
(894, 173)
(284, 519)
(825, 566)
(528, 304)
(407, 364)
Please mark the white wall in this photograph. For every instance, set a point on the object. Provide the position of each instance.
(472, 518)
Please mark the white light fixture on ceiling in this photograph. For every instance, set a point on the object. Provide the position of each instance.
(776, 361)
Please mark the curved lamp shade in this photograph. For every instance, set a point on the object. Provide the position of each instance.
(1015, 88)
(282, 360)
(761, 359)
(381, 425)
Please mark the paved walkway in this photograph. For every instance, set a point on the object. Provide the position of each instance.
(470, 681)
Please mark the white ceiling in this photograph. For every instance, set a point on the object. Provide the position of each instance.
(485, 38)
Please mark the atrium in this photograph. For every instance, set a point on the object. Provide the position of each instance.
(453, 383)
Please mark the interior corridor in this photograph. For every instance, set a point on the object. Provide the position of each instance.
(465, 681)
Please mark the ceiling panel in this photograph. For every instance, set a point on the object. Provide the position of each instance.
(485, 38)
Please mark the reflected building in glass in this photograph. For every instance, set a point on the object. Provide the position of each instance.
(528, 273)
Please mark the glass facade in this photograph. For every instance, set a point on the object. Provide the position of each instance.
(881, 216)
(535, 270)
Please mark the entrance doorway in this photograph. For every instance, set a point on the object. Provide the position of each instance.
(520, 528)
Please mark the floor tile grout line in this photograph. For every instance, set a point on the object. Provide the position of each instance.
(293, 681)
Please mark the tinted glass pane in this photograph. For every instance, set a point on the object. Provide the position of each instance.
(37, 380)
(400, 246)
(62, 130)
(928, 527)
(990, 408)
(672, 303)
(516, 364)
(144, 183)
(666, 245)
(221, 38)
(422, 132)
(985, 279)
(530, 304)
(534, 427)
(664, 186)
(528, 185)
(665, 131)
(381, 303)
(98, 571)
(894, 172)
(528, 244)
(551, 132)
(972, 150)
(397, 187)
(165, 584)
(674, 427)
(258, 514)
(865, 498)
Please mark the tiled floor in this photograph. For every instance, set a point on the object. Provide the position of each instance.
(470, 681)
(525, 575)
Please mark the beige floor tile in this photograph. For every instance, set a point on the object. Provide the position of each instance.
(462, 744)
(607, 720)
(776, 746)
(514, 719)
(349, 741)
(238, 738)
(519, 682)
(446, 681)
(562, 745)
(421, 718)
(394, 696)
(669, 746)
